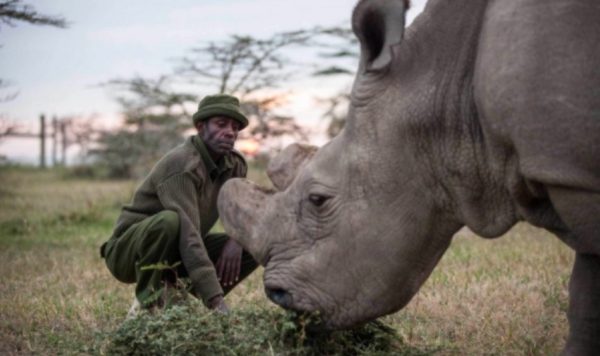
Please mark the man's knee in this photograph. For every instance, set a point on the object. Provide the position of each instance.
(166, 223)
(152, 240)
(161, 233)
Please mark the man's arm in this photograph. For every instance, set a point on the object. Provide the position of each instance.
(229, 263)
(179, 193)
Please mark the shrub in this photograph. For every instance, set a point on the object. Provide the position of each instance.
(190, 330)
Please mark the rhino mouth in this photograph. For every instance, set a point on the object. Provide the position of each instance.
(320, 319)
(287, 298)
(280, 297)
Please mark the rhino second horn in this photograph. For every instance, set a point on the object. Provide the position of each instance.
(284, 167)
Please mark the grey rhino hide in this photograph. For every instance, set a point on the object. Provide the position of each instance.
(482, 114)
(283, 168)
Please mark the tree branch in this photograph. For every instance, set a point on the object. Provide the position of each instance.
(13, 10)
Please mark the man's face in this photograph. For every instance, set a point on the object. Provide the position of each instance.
(219, 134)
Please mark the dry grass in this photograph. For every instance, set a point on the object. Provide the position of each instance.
(503, 296)
(55, 290)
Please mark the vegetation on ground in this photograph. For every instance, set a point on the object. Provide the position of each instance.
(191, 330)
(499, 296)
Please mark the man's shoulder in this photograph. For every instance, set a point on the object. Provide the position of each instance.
(238, 158)
(240, 166)
(181, 159)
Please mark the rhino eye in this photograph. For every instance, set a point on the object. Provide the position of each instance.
(317, 199)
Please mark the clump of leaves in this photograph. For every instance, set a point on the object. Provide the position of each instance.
(189, 329)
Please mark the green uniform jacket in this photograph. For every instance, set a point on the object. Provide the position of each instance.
(186, 180)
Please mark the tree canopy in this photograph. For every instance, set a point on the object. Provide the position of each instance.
(13, 11)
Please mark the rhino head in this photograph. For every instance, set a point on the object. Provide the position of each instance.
(355, 228)
(470, 118)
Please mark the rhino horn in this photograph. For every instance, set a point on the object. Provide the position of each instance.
(285, 166)
(379, 24)
(238, 204)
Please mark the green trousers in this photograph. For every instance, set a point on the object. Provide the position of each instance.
(153, 240)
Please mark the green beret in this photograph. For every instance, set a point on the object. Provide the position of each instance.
(220, 105)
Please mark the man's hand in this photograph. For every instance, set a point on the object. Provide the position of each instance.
(218, 304)
(229, 263)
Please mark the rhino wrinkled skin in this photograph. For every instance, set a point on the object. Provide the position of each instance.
(480, 114)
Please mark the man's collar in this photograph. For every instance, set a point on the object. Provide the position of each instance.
(214, 169)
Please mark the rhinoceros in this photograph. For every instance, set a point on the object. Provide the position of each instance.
(482, 113)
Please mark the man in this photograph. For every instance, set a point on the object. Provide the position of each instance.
(174, 208)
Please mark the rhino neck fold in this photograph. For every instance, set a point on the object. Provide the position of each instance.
(457, 158)
(473, 176)
(424, 107)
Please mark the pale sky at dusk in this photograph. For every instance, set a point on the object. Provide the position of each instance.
(56, 71)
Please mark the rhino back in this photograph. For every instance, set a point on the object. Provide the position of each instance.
(537, 86)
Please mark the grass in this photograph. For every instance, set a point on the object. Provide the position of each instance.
(504, 296)
(501, 296)
(189, 330)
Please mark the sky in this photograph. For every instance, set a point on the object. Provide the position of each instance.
(58, 71)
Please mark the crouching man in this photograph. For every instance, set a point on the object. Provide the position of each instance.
(174, 208)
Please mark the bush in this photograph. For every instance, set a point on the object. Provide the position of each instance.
(82, 171)
(190, 330)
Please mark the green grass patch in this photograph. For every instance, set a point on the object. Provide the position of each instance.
(501, 296)
(190, 330)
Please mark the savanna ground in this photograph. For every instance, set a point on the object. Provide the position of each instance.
(505, 296)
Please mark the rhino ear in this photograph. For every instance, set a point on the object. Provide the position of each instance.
(379, 24)
(283, 168)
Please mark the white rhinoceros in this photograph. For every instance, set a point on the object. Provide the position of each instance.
(482, 114)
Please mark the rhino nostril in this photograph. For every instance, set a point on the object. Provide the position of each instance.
(279, 296)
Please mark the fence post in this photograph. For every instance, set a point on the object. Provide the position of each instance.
(63, 132)
(54, 139)
(42, 141)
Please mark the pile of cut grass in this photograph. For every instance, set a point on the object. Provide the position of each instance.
(190, 330)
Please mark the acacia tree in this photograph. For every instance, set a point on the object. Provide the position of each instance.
(342, 46)
(339, 55)
(80, 131)
(6, 97)
(155, 118)
(7, 128)
(13, 11)
(250, 68)
(242, 64)
(245, 66)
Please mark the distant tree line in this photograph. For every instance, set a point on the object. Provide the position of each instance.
(157, 112)
(11, 13)
(255, 69)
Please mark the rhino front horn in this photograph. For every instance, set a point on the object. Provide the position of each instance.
(239, 202)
